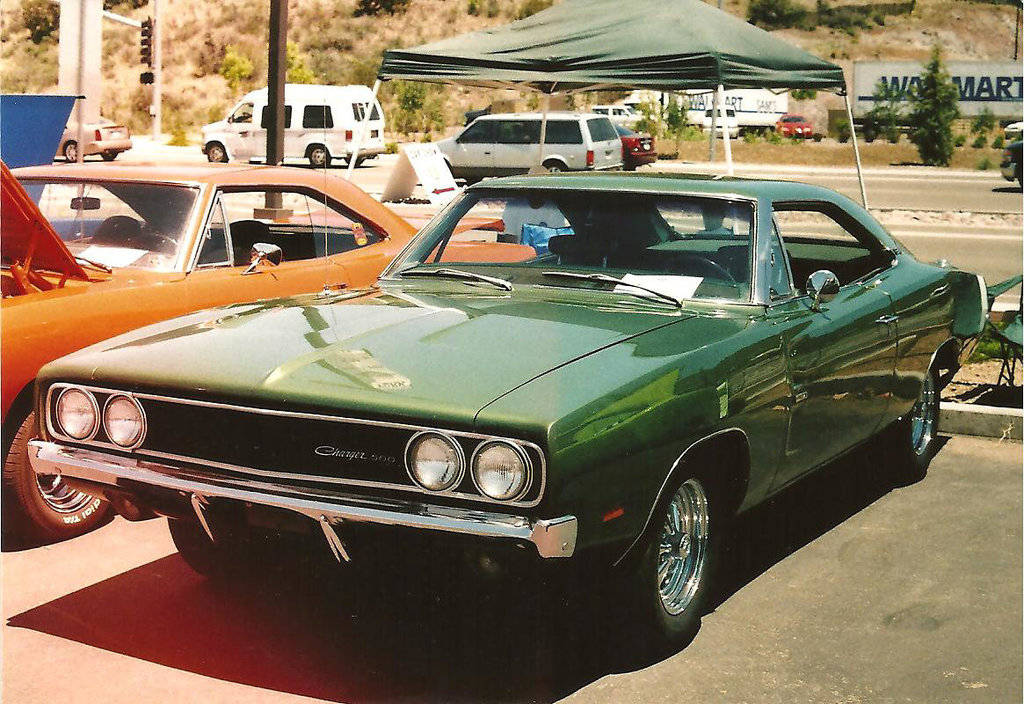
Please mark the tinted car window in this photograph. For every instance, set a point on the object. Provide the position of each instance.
(517, 131)
(265, 119)
(317, 117)
(359, 110)
(563, 132)
(624, 131)
(479, 132)
(601, 129)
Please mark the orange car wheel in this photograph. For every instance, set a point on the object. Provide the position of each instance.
(44, 508)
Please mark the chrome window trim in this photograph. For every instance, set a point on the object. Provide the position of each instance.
(95, 407)
(459, 452)
(193, 263)
(301, 415)
(142, 413)
(527, 464)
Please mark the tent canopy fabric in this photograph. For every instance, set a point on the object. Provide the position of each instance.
(577, 45)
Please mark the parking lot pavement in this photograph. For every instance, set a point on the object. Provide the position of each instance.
(842, 590)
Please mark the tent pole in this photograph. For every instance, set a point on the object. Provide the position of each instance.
(725, 133)
(856, 151)
(714, 127)
(545, 103)
(354, 152)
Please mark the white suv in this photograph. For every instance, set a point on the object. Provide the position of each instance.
(499, 145)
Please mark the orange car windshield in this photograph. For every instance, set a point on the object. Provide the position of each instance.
(118, 224)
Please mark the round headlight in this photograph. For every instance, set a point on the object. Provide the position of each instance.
(501, 470)
(123, 421)
(77, 413)
(435, 461)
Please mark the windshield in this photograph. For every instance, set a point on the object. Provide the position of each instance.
(681, 246)
(118, 225)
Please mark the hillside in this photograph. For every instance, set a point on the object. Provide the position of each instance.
(333, 46)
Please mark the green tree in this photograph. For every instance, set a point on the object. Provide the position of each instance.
(41, 18)
(297, 71)
(675, 116)
(886, 115)
(776, 14)
(933, 110)
(983, 123)
(236, 68)
(410, 97)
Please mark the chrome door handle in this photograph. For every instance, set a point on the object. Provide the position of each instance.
(887, 319)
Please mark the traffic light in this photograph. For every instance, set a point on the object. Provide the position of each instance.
(146, 43)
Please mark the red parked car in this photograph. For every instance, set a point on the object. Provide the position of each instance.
(794, 126)
(637, 149)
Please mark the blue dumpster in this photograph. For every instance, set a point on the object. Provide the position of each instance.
(31, 127)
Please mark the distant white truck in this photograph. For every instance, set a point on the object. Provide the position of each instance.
(755, 108)
(321, 124)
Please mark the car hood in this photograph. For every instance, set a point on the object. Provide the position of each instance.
(27, 236)
(420, 353)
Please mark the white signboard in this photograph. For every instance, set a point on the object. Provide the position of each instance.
(755, 107)
(423, 164)
(996, 85)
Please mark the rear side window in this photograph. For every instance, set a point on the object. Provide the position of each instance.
(480, 132)
(602, 130)
(359, 110)
(517, 131)
(563, 132)
(265, 118)
(317, 117)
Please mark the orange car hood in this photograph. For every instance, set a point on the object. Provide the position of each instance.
(28, 238)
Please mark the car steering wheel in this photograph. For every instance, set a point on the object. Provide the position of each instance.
(709, 266)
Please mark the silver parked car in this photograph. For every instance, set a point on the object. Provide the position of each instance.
(106, 138)
(501, 145)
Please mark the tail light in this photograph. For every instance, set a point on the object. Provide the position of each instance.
(99, 136)
(1006, 154)
(348, 135)
(590, 157)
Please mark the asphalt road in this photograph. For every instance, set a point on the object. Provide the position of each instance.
(842, 590)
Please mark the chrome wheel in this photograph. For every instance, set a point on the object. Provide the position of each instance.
(59, 496)
(71, 151)
(682, 550)
(215, 154)
(319, 158)
(923, 416)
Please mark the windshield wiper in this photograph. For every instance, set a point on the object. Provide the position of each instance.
(605, 278)
(90, 262)
(459, 274)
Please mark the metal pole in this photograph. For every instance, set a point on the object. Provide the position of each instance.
(79, 106)
(856, 151)
(545, 103)
(157, 72)
(714, 127)
(276, 67)
(725, 133)
(353, 154)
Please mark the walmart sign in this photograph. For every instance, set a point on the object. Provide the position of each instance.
(997, 85)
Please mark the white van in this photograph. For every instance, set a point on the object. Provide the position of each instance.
(619, 114)
(320, 124)
(727, 120)
(499, 145)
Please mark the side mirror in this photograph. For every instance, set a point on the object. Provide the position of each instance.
(822, 287)
(263, 252)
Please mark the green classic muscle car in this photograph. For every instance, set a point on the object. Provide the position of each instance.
(598, 370)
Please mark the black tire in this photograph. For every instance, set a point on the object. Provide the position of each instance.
(216, 153)
(215, 559)
(665, 603)
(109, 155)
(37, 510)
(912, 441)
(553, 166)
(319, 157)
(70, 150)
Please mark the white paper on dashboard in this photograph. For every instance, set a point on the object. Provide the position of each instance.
(114, 257)
(680, 288)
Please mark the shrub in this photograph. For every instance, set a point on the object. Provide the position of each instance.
(998, 142)
(41, 18)
(391, 147)
(675, 117)
(818, 136)
(179, 138)
(473, 7)
(885, 116)
(843, 131)
(980, 142)
(379, 7)
(984, 122)
(933, 109)
(492, 8)
(803, 94)
(984, 164)
(960, 140)
(236, 68)
(297, 71)
(751, 137)
(773, 137)
(776, 14)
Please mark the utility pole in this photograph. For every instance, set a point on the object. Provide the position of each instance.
(276, 67)
(157, 72)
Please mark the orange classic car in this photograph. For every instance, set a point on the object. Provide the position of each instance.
(90, 251)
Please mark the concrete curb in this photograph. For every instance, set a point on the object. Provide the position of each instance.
(986, 421)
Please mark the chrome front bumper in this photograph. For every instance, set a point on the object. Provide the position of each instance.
(554, 537)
